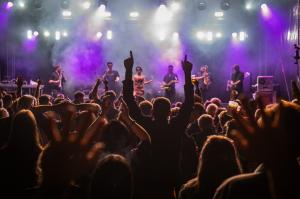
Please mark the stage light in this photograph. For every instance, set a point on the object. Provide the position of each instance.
(161, 36)
(163, 15)
(200, 35)
(234, 35)
(248, 6)
(46, 33)
(209, 36)
(65, 4)
(57, 35)
(175, 6)
(202, 5)
(101, 3)
(99, 35)
(65, 33)
(134, 14)
(29, 34)
(66, 13)
(86, 5)
(264, 6)
(162, 2)
(242, 36)
(21, 4)
(36, 33)
(9, 5)
(175, 36)
(109, 35)
(225, 4)
(218, 35)
(219, 14)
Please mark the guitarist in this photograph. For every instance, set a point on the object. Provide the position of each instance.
(237, 80)
(170, 79)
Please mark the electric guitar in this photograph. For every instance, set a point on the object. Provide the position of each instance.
(167, 86)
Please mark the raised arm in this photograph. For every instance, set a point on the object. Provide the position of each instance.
(134, 127)
(94, 93)
(187, 106)
(134, 110)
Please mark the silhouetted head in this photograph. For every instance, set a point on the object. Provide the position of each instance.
(198, 110)
(45, 100)
(115, 136)
(24, 132)
(3, 113)
(161, 108)
(212, 109)
(146, 108)
(223, 118)
(79, 97)
(112, 179)
(218, 161)
(206, 124)
(216, 101)
(7, 101)
(26, 102)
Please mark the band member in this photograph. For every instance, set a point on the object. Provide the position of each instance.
(57, 80)
(170, 79)
(237, 80)
(112, 77)
(139, 81)
(203, 77)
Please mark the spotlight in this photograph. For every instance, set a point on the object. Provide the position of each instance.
(36, 33)
(109, 35)
(9, 5)
(101, 3)
(57, 35)
(162, 2)
(66, 13)
(175, 6)
(242, 36)
(234, 35)
(225, 4)
(218, 35)
(200, 35)
(134, 14)
(202, 5)
(99, 35)
(264, 6)
(46, 33)
(29, 34)
(248, 6)
(65, 4)
(107, 14)
(219, 14)
(209, 36)
(65, 34)
(21, 4)
(86, 5)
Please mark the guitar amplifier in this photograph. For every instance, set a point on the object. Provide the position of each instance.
(265, 83)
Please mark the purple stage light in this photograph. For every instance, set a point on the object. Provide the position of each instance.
(9, 5)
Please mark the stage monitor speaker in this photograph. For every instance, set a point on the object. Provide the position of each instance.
(265, 84)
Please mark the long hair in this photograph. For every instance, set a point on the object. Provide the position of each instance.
(218, 161)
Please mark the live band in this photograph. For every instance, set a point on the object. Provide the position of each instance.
(170, 79)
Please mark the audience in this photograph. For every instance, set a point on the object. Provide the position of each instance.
(122, 146)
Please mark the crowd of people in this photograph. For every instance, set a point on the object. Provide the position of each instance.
(128, 147)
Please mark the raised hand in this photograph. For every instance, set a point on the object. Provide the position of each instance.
(186, 65)
(124, 112)
(128, 63)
